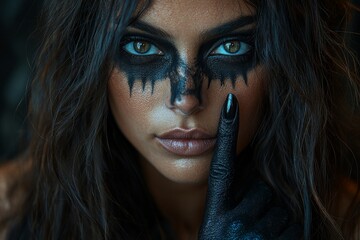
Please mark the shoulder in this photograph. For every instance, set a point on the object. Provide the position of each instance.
(14, 189)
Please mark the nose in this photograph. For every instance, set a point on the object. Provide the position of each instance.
(186, 96)
(185, 105)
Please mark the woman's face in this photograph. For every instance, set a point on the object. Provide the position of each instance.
(174, 68)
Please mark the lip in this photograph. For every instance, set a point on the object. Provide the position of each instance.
(186, 142)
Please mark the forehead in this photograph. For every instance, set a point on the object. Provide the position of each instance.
(189, 17)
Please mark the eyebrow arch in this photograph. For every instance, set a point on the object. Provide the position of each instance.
(150, 29)
(217, 31)
(229, 27)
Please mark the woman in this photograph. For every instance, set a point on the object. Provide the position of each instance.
(125, 108)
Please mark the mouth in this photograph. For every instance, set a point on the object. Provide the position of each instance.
(186, 142)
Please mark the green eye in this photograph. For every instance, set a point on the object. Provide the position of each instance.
(140, 47)
(232, 48)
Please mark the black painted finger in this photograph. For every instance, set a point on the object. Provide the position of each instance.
(294, 232)
(273, 223)
(254, 203)
(252, 236)
(234, 229)
(221, 169)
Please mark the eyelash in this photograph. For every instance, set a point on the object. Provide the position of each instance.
(243, 41)
(221, 45)
(132, 39)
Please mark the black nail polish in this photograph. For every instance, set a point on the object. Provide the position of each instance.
(231, 105)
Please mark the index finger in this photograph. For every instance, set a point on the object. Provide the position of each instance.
(221, 168)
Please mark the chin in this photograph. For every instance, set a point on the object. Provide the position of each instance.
(182, 170)
(188, 170)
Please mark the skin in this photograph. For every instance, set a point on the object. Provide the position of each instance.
(15, 179)
(148, 98)
(169, 64)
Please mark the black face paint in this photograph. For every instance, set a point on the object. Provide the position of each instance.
(184, 79)
(228, 67)
(152, 68)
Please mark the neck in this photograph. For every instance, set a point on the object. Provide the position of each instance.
(181, 204)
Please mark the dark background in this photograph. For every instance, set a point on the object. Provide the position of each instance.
(18, 43)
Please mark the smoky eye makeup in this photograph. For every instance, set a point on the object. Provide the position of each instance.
(228, 57)
(149, 58)
(238, 45)
(148, 54)
(143, 49)
(231, 47)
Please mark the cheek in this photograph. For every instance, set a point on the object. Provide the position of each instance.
(137, 115)
(129, 111)
(250, 97)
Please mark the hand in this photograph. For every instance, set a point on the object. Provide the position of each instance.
(252, 218)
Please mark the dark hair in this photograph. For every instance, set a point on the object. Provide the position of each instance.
(87, 182)
(302, 146)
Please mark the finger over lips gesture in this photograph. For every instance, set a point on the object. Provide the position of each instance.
(254, 216)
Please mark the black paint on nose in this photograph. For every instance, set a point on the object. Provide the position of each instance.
(185, 80)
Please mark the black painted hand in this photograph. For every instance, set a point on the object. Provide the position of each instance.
(253, 217)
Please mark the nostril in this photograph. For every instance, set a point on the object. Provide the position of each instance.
(186, 104)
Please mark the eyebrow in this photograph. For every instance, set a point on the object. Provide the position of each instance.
(150, 29)
(229, 26)
(217, 31)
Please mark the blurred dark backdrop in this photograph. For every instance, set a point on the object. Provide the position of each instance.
(18, 42)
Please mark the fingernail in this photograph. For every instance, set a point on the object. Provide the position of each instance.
(231, 105)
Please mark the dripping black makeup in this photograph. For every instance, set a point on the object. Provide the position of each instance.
(164, 62)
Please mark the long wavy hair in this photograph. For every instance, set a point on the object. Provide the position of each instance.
(87, 184)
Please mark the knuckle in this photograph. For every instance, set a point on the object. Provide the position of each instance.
(219, 172)
(225, 131)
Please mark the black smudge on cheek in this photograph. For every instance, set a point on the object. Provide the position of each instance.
(144, 68)
(224, 68)
(183, 79)
(229, 67)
